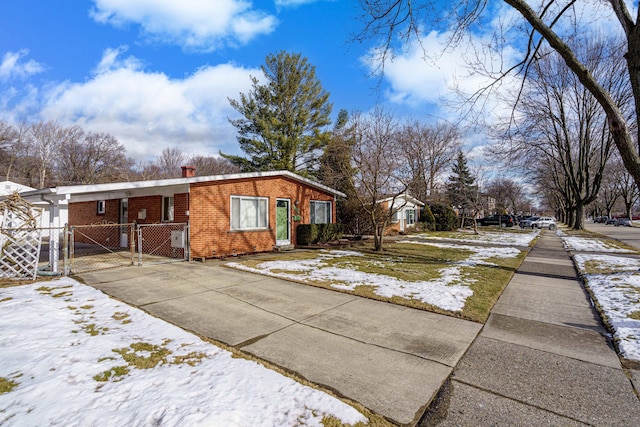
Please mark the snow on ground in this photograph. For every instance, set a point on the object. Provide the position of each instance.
(618, 295)
(582, 244)
(449, 291)
(57, 338)
(523, 238)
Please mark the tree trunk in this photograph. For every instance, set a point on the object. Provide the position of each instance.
(628, 209)
(578, 223)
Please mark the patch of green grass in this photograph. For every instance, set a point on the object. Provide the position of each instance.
(635, 315)
(7, 385)
(144, 355)
(94, 330)
(46, 290)
(191, 359)
(121, 317)
(114, 374)
(412, 263)
(6, 299)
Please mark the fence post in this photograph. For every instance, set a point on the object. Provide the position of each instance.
(132, 242)
(139, 245)
(65, 249)
(187, 243)
(68, 252)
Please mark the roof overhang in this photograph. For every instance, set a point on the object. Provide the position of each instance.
(167, 187)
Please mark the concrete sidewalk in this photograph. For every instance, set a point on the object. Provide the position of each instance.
(389, 358)
(541, 359)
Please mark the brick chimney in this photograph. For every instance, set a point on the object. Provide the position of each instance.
(188, 171)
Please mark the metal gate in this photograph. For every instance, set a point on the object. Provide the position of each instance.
(99, 246)
(162, 243)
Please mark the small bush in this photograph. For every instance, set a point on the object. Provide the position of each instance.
(445, 217)
(306, 234)
(427, 218)
(309, 234)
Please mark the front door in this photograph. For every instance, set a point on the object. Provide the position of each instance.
(283, 221)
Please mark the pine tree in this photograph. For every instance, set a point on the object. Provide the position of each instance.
(284, 120)
(461, 188)
(337, 172)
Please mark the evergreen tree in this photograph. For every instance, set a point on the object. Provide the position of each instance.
(337, 172)
(284, 119)
(461, 189)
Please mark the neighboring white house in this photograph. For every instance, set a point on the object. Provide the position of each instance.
(60, 218)
(406, 212)
(9, 187)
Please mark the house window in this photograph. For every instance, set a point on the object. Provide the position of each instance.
(320, 212)
(411, 216)
(394, 217)
(249, 213)
(101, 207)
(167, 208)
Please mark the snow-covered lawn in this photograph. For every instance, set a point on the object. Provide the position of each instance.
(582, 244)
(614, 282)
(508, 238)
(72, 356)
(449, 290)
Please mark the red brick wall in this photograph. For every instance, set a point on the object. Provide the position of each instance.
(86, 213)
(82, 213)
(208, 204)
(210, 217)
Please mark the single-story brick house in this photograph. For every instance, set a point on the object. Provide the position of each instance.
(227, 214)
(406, 212)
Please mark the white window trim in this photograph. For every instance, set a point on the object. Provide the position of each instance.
(101, 207)
(266, 213)
(173, 214)
(330, 219)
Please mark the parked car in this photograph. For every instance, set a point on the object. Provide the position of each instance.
(611, 221)
(526, 223)
(544, 222)
(625, 222)
(601, 219)
(500, 220)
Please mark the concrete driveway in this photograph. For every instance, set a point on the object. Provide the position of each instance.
(389, 358)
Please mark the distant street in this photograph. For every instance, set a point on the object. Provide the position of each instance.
(628, 235)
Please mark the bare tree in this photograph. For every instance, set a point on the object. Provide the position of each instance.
(428, 151)
(43, 144)
(209, 165)
(8, 137)
(169, 163)
(626, 187)
(508, 194)
(91, 158)
(548, 23)
(376, 156)
(559, 119)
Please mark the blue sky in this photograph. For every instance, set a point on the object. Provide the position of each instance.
(158, 73)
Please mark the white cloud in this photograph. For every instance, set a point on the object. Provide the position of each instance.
(12, 65)
(149, 111)
(294, 3)
(111, 60)
(202, 25)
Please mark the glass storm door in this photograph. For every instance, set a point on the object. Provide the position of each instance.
(283, 233)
